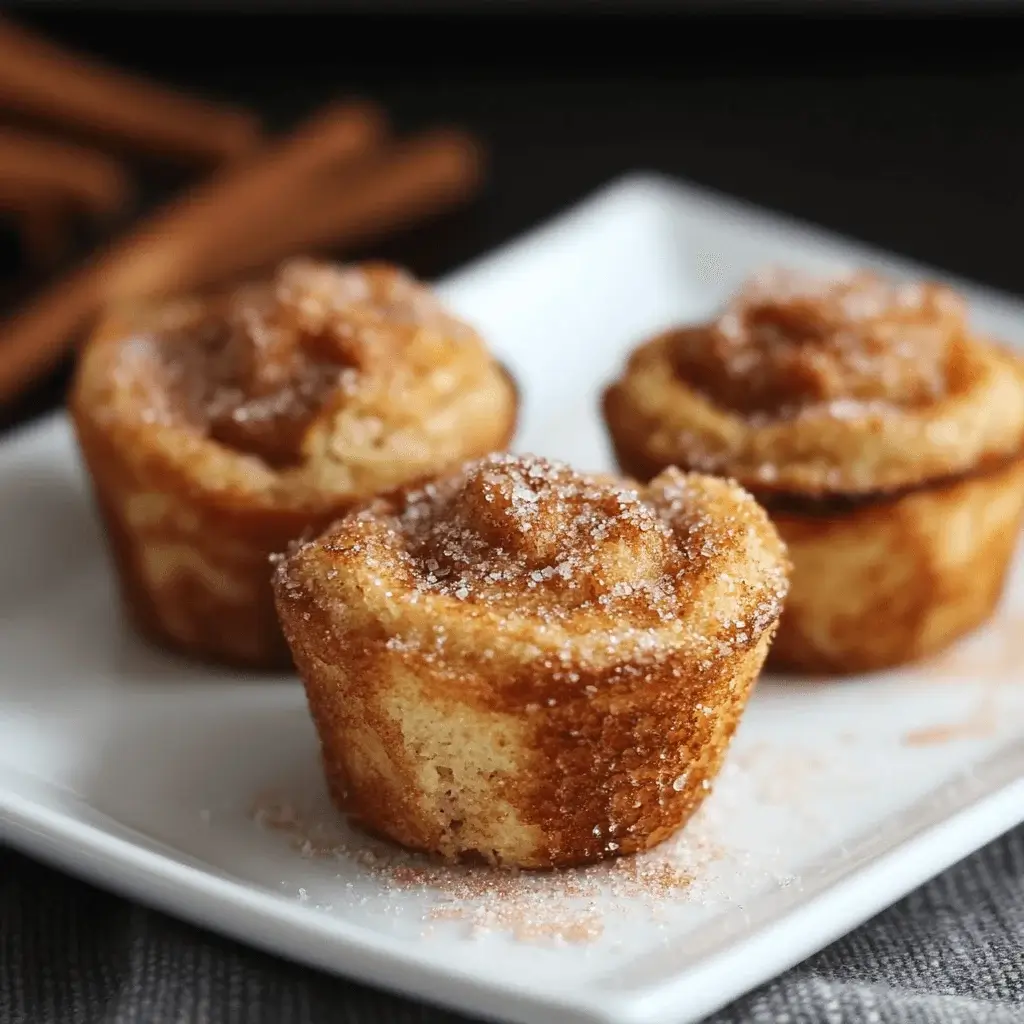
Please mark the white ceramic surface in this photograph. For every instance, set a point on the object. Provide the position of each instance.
(199, 791)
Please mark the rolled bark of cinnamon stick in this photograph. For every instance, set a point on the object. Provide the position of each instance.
(185, 245)
(405, 183)
(43, 80)
(34, 168)
(175, 249)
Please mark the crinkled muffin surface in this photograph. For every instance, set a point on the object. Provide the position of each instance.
(218, 429)
(531, 665)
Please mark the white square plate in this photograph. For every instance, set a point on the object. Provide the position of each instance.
(199, 791)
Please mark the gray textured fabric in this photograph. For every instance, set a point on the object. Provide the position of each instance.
(951, 953)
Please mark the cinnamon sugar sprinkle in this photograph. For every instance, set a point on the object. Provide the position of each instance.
(545, 907)
(993, 658)
(256, 366)
(696, 868)
(792, 344)
(779, 806)
(534, 534)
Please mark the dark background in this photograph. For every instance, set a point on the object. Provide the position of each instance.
(906, 132)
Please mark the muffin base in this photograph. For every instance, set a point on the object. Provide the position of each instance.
(878, 580)
(889, 581)
(194, 567)
(485, 762)
(194, 576)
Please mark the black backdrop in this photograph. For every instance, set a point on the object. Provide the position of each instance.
(907, 133)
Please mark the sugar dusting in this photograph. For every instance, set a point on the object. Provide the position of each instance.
(802, 374)
(256, 367)
(785, 806)
(518, 523)
(698, 868)
(843, 345)
(993, 658)
(533, 536)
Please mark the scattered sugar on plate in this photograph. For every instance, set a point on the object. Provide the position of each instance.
(697, 868)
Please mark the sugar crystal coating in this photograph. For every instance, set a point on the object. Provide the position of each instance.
(530, 665)
(809, 385)
(255, 368)
(520, 535)
(791, 340)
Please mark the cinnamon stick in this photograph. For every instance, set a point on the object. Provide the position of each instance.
(185, 245)
(34, 169)
(43, 80)
(175, 248)
(407, 182)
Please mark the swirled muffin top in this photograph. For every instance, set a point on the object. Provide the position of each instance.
(845, 384)
(520, 549)
(326, 378)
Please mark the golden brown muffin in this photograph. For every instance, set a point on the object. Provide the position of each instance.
(884, 437)
(528, 665)
(218, 430)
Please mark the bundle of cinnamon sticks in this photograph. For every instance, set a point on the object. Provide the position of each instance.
(340, 179)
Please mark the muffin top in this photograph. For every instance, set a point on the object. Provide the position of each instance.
(789, 344)
(522, 550)
(813, 385)
(342, 379)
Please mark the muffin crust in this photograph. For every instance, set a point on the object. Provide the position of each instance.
(530, 665)
(218, 429)
(881, 433)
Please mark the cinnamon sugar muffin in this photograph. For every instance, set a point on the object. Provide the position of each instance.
(530, 665)
(216, 430)
(882, 434)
